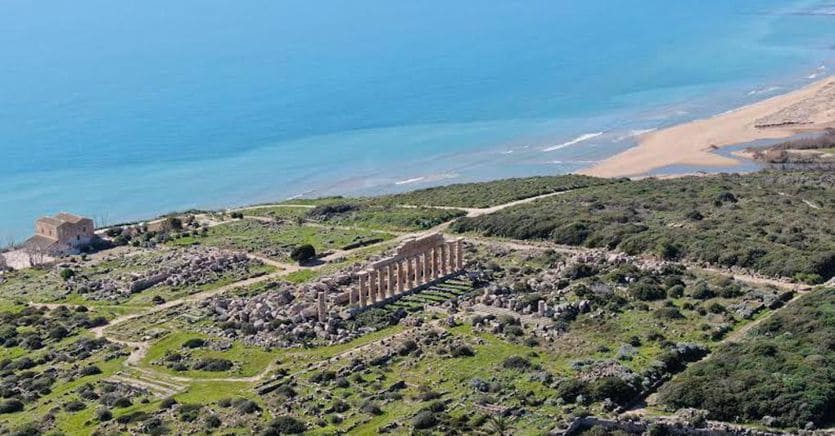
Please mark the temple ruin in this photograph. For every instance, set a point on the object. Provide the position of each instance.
(416, 263)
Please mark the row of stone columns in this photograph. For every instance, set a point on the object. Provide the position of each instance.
(402, 274)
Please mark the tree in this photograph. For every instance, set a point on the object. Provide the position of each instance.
(303, 253)
(67, 274)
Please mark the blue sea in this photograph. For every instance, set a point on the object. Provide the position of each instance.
(123, 110)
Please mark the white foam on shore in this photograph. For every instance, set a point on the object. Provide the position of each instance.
(428, 178)
(408, 181)
(768, 90)
(584, 162)
(577, 140)
(635, 133)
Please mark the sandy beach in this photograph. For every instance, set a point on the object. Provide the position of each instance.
(811, 108)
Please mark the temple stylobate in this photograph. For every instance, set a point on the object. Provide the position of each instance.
(417, 262)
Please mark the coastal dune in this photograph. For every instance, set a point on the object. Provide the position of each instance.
(811, 108)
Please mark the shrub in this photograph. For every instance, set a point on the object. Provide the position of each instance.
(122, 402)
(516, 362)
(194, 343)
(189, 412)
(10, 406)
(67, 274)
(75, 406)
(90, 370)
(613, 388)
(103, 414)
(285, 425)
(668, 313)
(701, 291)
(303, 253)
(371, 408)
(676, 291)
(213, 364)
(646, 290)
(247, 407)
(424, 419)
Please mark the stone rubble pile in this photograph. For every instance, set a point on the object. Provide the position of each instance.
(175, 268)
(284, 316)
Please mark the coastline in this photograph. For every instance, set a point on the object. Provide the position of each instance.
(808, 109)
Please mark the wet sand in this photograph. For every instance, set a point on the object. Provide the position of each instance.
(811, 108)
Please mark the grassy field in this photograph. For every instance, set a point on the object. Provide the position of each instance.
(248, 361)
(277, 240)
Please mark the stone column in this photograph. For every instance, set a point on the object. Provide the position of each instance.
(427, 267)
(418, 270)
(392, 282)
(352, 297)
(411, 281)
(439, 256)
(323, 314)
(373, 285)
(436, 271)
(401, 279)
(381, 292)
(459, 254)
(450, 248)
(444, 259)
(542, 307)
(363, 288)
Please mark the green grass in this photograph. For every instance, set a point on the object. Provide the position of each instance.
(290, 213)
(302, 276)
(249, 361)
(276, 241)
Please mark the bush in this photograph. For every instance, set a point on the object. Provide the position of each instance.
(668, 313)
(189, 412)
(303, 253)
(67, 274)
(90, 370)
(104, 414)
(247, 407)
(516, 362)
(194, 343)
(646, 290)
(613, 388)
(676, 291)
(10, 406)
(424, 419)
(701, 291)
(285, 425)
(371, 408)
(75, 406)
(122, 402)
(213, 365)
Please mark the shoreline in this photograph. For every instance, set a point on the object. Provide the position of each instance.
(808, 109)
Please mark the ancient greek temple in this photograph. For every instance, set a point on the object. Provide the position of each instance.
(417, 262)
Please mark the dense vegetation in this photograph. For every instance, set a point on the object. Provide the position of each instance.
(362, 213)
(775, 223)
(492, 193)
(785, 370)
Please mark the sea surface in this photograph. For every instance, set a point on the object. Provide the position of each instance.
(122, 110)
